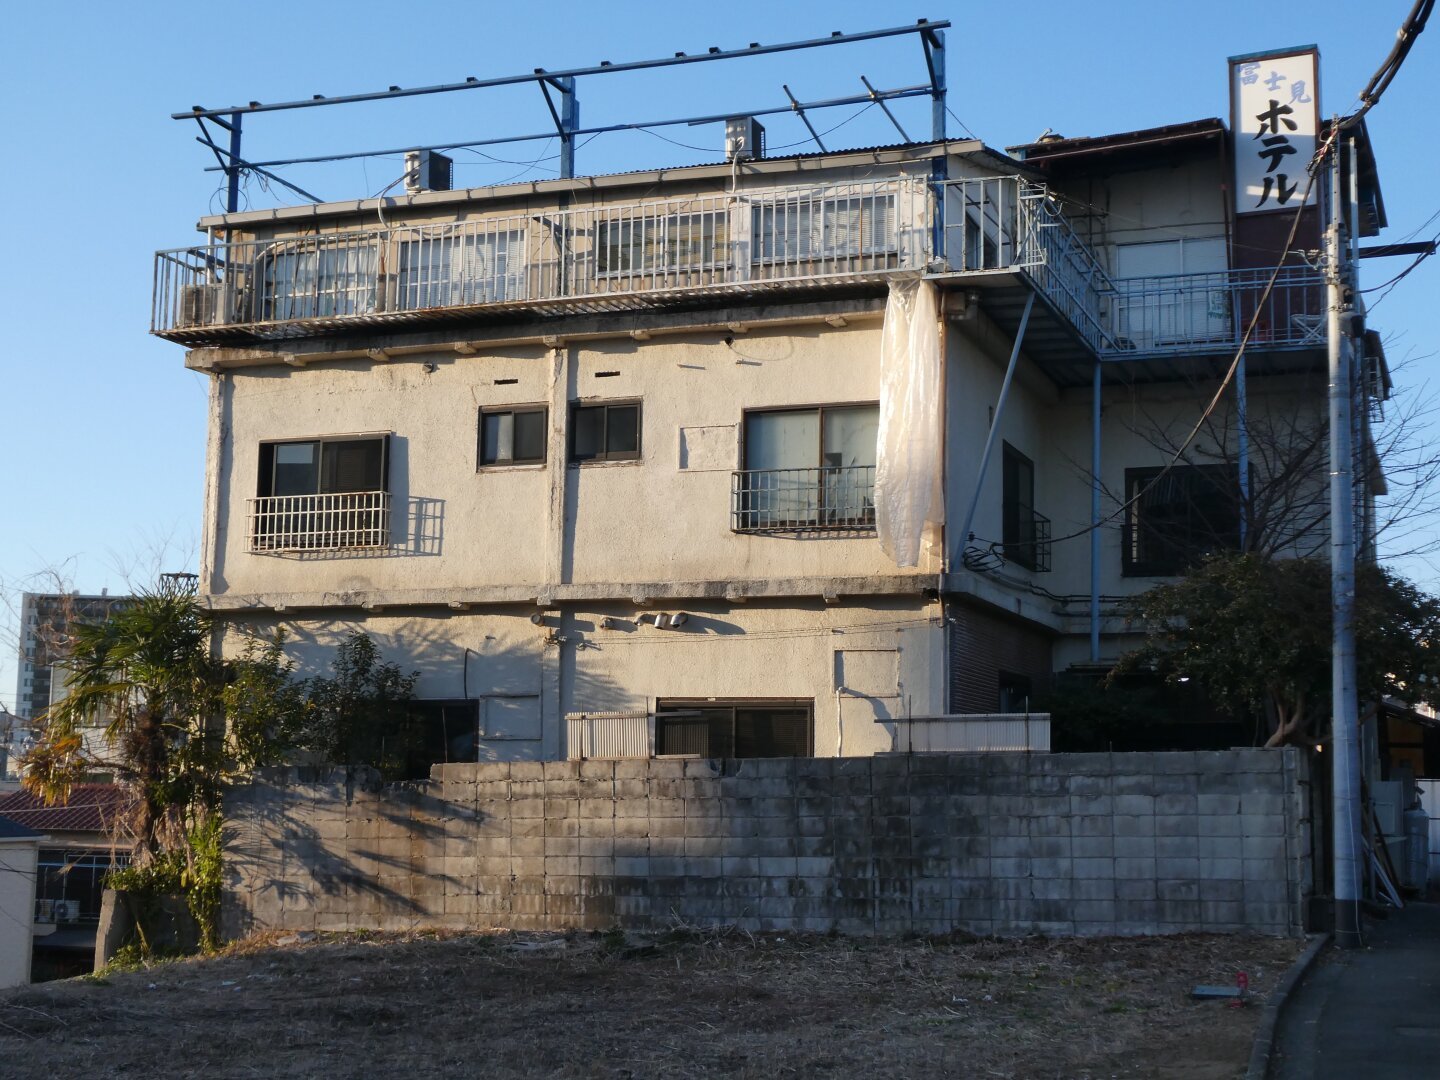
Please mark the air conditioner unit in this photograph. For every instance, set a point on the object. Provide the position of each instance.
(67, 910)
(744, 139)
(425, 170)
(44, 911)
(202, 305)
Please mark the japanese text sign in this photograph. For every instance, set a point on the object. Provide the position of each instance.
(1275, 113)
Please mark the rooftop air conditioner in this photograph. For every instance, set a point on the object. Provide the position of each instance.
(425, 170)
(202, 305)
(744, 139)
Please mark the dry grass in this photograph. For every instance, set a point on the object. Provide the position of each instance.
(687, 1004)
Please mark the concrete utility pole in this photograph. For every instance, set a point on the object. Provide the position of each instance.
(1345, 727)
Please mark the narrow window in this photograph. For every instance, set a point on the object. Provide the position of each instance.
(605, 432)
(513, 436)
(1017, 508)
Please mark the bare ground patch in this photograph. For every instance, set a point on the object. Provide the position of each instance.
(681, 1005)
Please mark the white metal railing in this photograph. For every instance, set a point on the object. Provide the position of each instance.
(1182, 312)
(357, 519)
(1007, 223)
(966, 732)
(600, 254)
(803, 500)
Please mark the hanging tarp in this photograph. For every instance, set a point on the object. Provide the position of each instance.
(909, 502)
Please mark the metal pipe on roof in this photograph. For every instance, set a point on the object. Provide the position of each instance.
(541, 75)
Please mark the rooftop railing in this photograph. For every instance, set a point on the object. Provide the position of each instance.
(587, 259)
(666, 251)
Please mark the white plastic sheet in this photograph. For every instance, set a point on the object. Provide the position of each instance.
(909, 502)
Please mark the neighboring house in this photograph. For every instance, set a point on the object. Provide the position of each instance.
(80, 847)
(19, 851)
(605, 459)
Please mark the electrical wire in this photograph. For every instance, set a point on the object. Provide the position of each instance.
(1411, 29)
(963, 126)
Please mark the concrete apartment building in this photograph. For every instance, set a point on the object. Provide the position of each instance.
(689, 461)
(45, 622)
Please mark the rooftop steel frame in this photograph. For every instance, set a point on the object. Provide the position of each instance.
(562, 101)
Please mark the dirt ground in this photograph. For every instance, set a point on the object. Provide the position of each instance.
(688, 1004)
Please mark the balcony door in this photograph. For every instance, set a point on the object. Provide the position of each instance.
(1164, 309)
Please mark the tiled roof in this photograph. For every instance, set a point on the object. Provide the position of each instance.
(90, 808)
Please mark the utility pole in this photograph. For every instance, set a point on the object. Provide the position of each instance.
(1345, 727)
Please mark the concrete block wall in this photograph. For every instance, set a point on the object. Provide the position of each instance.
(983, 843)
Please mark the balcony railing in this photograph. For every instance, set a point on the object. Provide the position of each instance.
(1032, 548)
(803, 500)
(591, 259)
(1006, 224)
(1183, 313)
(358, 519)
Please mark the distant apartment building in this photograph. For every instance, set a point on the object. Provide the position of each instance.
(46, 620)
(763, 456)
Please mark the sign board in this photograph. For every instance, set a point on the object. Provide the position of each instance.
(1275, 118)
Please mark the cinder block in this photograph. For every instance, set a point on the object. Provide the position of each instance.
(1271, 849)
(1182, 825)
(1132, 825)
(1224, 889)
(1092, 868)
(1177, 890)
(1219, 825)
(1134, 847)
(1133, 869)
(1092, 847)
(1177, 847)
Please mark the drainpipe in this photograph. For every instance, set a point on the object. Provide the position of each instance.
(1095, 517)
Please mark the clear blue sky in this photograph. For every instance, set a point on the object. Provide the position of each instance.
(101, 427)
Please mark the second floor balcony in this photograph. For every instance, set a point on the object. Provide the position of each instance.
(1000, 237)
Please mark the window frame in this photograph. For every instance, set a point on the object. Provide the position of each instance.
(1014, 510)
(616, 237)
(525, 409)
(265, 485)
(747, 518)
(606, 455)
(1181, 554)
(682, 708)
(812, 244)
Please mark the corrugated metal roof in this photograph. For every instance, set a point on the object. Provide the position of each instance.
(90, 808)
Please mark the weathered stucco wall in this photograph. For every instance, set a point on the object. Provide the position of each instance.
(987, 843)
(573, 662)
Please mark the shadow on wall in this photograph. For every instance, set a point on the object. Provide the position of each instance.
(327, 847)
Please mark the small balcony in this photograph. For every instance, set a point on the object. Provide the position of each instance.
(316, 523)
(1184, 314)
(827, 499)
